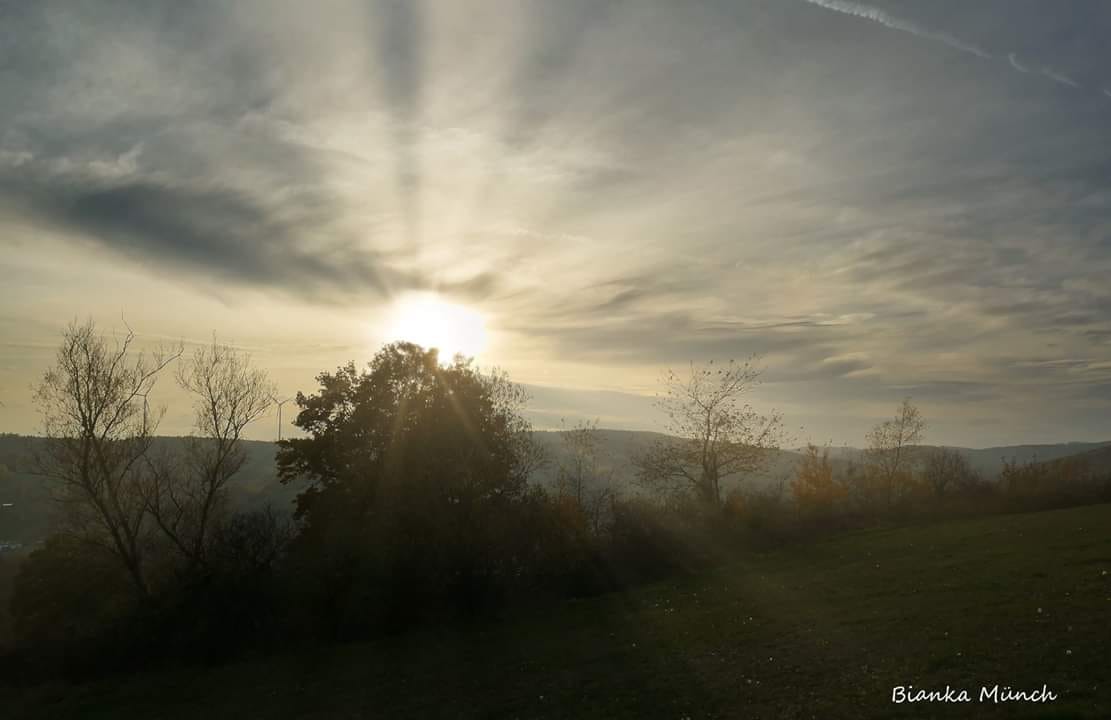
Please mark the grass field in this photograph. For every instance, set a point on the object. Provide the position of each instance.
(822, 630)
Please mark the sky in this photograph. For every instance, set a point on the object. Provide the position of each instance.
(880, 200)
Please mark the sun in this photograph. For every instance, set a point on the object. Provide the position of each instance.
(432, 322)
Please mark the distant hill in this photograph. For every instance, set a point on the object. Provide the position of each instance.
(1098, 460)
(1095, 462)
(618, 448)
(26, 507)
(989, 461)
(27, 517)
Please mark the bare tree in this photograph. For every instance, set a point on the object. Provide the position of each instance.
(578, 464)
(946, 468)
(892, 450)
(714, 434)
(186, 498)
(580, 474)
(99, 427)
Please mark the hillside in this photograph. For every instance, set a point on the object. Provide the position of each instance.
(618, 448)
(257, 485)
(813, 631)
(27, 519)
(989, 461)
(1097, 461)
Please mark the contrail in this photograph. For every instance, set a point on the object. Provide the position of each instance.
(883, 18)
(867, 12)
(1058, 77)
(1048, 72)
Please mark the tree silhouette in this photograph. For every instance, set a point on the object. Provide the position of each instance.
(715, 434)
(945, 469)
(186, 496)
(408, 423)
(414, 470)
(580, 475)
(99, 427)
(892, 451)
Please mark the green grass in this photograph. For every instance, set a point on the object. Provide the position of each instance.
(821, 630)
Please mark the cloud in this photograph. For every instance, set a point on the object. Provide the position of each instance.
(219, 234)
(1059, 77)
(876, 15)
(620, 186)
(652, 338)
(398, 28)
(554, 407)
(888, 20)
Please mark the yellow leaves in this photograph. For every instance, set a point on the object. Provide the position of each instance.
(814, 487)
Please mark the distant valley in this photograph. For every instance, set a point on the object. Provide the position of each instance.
(25, 517)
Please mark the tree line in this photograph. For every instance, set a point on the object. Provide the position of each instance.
(895, 477)
(417, 507)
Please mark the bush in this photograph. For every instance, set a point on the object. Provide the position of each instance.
(68, 599)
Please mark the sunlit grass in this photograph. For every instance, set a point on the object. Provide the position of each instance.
(820, 629)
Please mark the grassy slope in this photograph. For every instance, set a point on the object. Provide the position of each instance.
(821, 630)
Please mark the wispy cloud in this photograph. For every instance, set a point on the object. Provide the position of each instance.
(617, 189)
(1059, 77)
(874, 14)
(888, 20)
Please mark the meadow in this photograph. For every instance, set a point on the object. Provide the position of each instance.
(818, 629)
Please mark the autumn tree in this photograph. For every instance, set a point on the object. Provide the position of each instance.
(946, 469)
(186, 496)
(892, 452)
(713, 434)
(99, 427)
(814, 487)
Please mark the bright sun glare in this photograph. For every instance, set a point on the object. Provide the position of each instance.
(432, 322)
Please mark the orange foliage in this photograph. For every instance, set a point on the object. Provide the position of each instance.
(814, 487)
